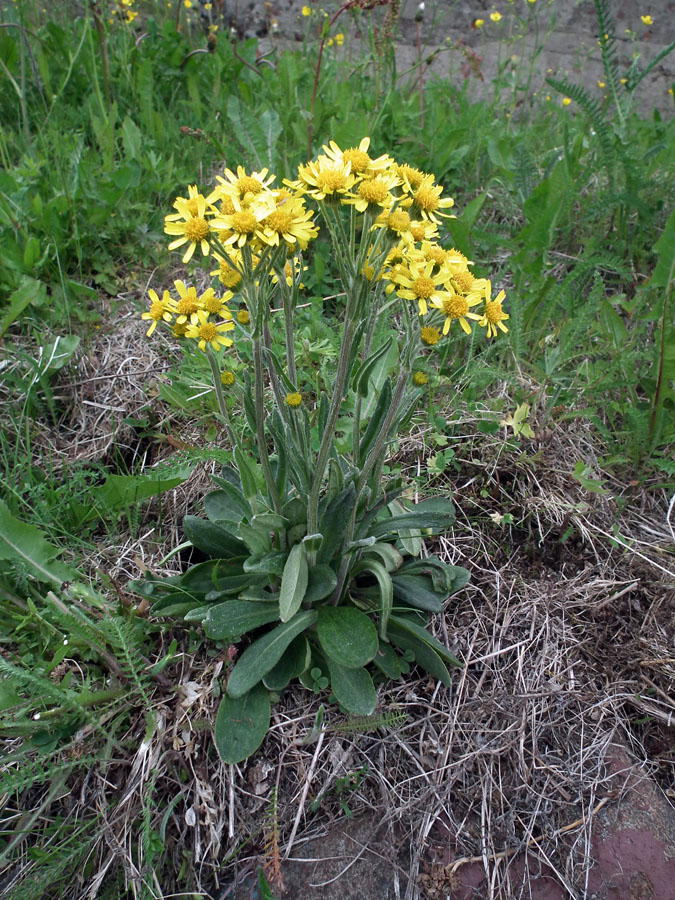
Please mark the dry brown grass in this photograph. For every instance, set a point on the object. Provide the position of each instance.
(566, 633)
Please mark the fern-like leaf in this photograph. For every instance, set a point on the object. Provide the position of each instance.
(124, 637)
(271, 862)
(594, 112)
(366, 724)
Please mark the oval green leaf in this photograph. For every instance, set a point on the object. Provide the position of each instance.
(293, 663)
(346, 635)
(293, 583)
(241, 724)
(228, 621)
(353, 688)
(261, 657)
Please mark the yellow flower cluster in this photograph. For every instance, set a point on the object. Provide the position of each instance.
(410, 206)
(243, 209)
(204, 319)
(246, 216)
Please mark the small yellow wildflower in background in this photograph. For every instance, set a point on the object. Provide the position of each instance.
(495, 16)
(131, 15)
(646, 20)
(160, 310)
(622, 80)
(306, 11)
(548, 98)
(420, 378)
(478, 23)
(243, 317)
(600, 84)
(429, 335)
(493, 315)
(566, 101)
(531, 1)
(293, 399)
(339, 39)
(227, 378)
(187, 4)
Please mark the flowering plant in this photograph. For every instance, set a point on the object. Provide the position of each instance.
(308, 552)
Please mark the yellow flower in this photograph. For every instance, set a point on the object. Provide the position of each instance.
(417, 282)
(187, 4)
(493, 314)
(226, 274)
(372, 192)
(206, 332)
(495, 16)
(360, 163)
(191, 227)
(131, 15)
(293, 399)
(420, 378)
(187, 306)
(455, 306)
(547, 98)
(227, 378)
(600, 84)
(324, 178)
(214, 305)
(160, 310)
(208, 7)
(339, 39)
(243, 317)
(244, 225)
(646, 20)
(478, 23)
(288, 221)
(412, 178)
(429, 335)
(305, 11)
(566, 101)
(428, 200)
(240, 187)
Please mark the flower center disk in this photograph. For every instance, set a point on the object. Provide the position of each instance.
(423, 287)
(196, 229)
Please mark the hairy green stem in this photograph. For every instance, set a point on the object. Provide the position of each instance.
(333, 412)
(259, 401)
(220, 397)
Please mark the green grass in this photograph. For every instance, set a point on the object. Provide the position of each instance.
(568, 208)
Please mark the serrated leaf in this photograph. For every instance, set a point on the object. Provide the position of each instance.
(25, 543)
(241, 724)
(346, 635)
